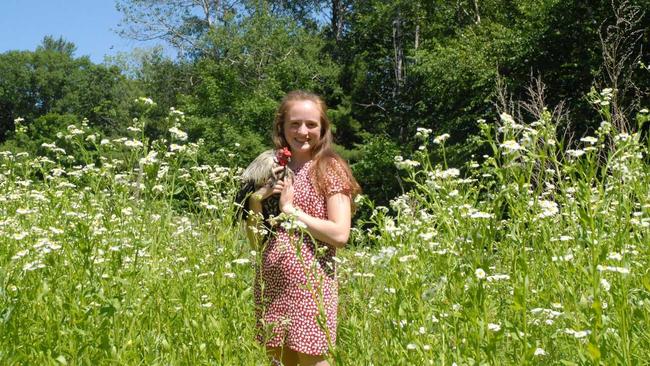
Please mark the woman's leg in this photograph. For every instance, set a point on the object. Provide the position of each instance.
(289, 357)
(310, 360)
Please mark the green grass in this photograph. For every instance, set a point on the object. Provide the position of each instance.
(534, 256)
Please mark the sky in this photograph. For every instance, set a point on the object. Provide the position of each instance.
(89, 24)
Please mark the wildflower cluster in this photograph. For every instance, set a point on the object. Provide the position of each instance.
(517, 250)
(533, 254)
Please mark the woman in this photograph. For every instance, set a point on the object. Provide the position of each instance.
(296, 291)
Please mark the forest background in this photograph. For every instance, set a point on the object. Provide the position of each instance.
(385, 68)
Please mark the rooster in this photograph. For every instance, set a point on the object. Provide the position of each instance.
(259, 173)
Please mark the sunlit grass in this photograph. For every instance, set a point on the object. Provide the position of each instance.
(129, 253)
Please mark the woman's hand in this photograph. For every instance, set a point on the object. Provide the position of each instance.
(269, 188)
(335, 230)
(286, 197)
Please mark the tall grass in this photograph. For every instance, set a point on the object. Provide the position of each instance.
(539, 254)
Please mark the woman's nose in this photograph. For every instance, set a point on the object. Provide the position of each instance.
(302, 129)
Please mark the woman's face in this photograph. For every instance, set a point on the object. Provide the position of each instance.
(302, 127)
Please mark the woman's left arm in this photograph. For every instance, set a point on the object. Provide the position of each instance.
(335, 230)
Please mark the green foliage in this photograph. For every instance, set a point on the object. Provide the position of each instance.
(223, 143)
(376, 171)
(45, 128)
(51, 80)
(238, 94)
(100, 264)
(385, 68)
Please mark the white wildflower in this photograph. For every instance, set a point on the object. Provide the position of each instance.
(241, 261)
(577, 333)
(494, 327)
(589, 139)
(440, 139)
(605, 284)
(507, 119)
(481, 215)
(173, 111)
(20, 254)
(575, 153)
(565, 258)
(178, 134)
(621, 270)
(498, 277)
(176, 147)
(511, 146)
(549, 208)
(291, 225)
(615, 256)
(423, 133)
(479, 273)
(448, 173)
(133, 144)
(405, 164)
(407, 258)
(150, 158)
(145, 101)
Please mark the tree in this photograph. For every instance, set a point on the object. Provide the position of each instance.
(59, 45)
(264, 59)
(181, 23)
(51, 80)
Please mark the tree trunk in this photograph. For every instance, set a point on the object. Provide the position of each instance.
(399, 54)
(338, 16)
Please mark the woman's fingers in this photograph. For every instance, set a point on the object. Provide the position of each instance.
(277, 170)
(278, 187)
(287, 185)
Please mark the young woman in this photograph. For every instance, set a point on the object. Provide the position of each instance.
(296, 291)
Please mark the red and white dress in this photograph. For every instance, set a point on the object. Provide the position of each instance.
(296, 291)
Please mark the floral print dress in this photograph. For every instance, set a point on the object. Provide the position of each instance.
(296, 291)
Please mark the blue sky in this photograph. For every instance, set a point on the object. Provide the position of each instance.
(89, 24)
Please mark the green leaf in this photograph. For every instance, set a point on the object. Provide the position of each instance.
(594, 352)
(646, 282)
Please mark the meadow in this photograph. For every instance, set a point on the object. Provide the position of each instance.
(128, 252)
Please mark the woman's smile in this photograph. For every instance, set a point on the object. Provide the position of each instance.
(302, 128)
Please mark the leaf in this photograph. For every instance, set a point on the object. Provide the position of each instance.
(594, 352)
(646, 282)
(62, 360)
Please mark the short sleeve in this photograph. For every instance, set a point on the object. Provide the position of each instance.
(336, 180)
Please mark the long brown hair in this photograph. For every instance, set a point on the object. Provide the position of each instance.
(322, 153)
